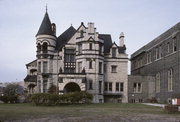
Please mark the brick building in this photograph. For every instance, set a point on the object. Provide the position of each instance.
(79, 60)
(160, 60)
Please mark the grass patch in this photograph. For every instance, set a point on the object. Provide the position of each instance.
(83, 111)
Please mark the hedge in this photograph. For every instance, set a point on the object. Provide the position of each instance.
(9, 99)
(54, 99)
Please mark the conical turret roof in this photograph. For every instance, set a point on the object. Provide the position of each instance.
(45, 27)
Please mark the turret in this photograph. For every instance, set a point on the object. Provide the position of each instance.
(46, 37)
(121, 39)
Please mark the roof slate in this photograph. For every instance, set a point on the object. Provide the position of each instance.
(45, 27)
(107, 42)
(65, 37)
(159, 39)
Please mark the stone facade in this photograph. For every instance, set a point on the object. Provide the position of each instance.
(140, 88)
(79, 60)
(160, 59)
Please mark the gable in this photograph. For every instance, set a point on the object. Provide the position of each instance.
(65, 37)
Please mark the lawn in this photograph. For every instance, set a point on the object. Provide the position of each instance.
(84, 112)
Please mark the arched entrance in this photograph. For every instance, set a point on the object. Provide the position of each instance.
(72, 87)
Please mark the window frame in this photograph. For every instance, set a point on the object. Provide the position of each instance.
(113, 68)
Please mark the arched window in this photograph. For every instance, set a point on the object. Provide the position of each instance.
(170, 80)
(38, 47)
(44, 47)
(158, 82)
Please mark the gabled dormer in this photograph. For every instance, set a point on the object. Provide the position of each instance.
(114, 50)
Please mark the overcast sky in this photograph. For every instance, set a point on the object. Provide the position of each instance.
(140, 20)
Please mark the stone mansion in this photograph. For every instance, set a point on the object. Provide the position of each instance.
(79, 60)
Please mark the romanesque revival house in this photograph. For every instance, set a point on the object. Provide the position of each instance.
(155, 69)
(79, 60)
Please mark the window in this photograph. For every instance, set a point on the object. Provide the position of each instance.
(168, 47)
(100, 48)
(170, 80)
(114, 69)
(90, 84)
(39, 85)
(44, 47)
(100, 67)
(137, 87)
(45, 66)
(90, 46)
(110, 87)
(90, 64)
(39, 66)
(44, 86)
(160, 51)
(69, 61)
(174, 44)
(105, 86)
(158, 82)
(157, 53)
(113, 52)
(100, 87)
(80, 48)
(105, 68)
(38, 47)
(119, 87)
(150, 57)
(79, 67)
(81, 33)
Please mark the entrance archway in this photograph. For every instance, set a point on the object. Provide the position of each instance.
(72, 87)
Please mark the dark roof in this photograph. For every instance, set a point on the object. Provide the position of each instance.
(32, 62)
(30, 78)
(65, 37)
(107, 42)
(170, 32)
(45, 27)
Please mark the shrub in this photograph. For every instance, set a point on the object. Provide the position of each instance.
(4, 99)
(7, 99)
(54, 99)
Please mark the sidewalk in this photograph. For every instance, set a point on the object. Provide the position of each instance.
(154, 104)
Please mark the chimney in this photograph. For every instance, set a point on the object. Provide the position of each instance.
(90, 27)
(121, 39)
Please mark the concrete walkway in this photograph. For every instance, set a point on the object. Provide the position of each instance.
(155, 104)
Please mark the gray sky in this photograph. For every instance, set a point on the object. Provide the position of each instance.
(140, 20)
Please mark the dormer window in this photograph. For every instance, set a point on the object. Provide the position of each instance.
(113, 52)
(81, 33)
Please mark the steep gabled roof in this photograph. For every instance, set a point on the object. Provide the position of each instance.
(107, 42)
(45, 27)
(34, 62)
(65, 37)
